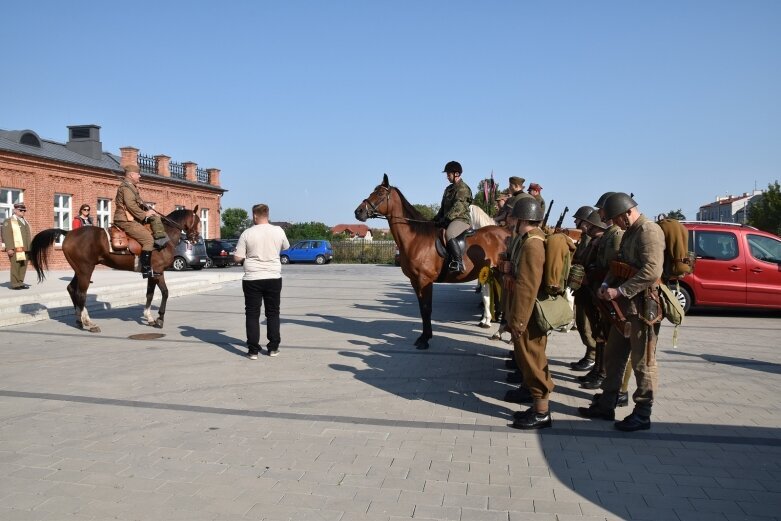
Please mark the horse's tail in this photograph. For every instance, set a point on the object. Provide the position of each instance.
(39, 250)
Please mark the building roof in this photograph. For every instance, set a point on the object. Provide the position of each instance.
(10, 141)
(355, 229)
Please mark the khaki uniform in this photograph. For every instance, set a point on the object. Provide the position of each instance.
(583, 301)
(642, 247)
(129, 213)
(530, 347)
(454, 211)
(18, 267)
(507, 209)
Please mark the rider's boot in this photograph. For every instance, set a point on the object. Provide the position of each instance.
(160, 242)
(456, 262)
(146, 265)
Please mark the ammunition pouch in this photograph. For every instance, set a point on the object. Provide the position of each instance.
(577, 273)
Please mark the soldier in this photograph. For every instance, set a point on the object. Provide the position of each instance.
(516, 194)
(534, 191)
(16, 237)
(529, 341)
(581, 296)
(131, 211)
(633, 284)
(453, 214)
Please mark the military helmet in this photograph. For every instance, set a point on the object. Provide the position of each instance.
(594, 220)
(453, 166)
(528, 209)
(617, 204)
(602, 199)
(582, 212)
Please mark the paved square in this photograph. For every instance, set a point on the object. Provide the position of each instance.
(350, 422)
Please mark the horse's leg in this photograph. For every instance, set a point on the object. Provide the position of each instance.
(425, 295)
(150, 293)
(78, 290)
(485, 322)
(164, 292)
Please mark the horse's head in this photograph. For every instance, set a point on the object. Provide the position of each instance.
(187, 222)
(377, 204)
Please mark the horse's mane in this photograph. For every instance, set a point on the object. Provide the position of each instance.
(419, 223)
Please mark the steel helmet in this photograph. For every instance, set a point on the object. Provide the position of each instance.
(528, 209)
(582, 212)
(453, 166)
(594, 220)
(602, 200)
(617, 204)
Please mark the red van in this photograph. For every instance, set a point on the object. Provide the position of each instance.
(737, 266)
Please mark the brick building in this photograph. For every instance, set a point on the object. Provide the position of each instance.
(53, 179)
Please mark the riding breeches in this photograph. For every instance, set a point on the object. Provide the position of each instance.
(456, 228)
(138, 232)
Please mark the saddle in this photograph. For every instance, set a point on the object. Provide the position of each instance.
(121, 243)
(441, 242)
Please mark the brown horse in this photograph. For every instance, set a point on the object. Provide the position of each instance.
(88, 246)
(416, 238)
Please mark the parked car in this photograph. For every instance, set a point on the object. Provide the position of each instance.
(220, 253)
(737, 266)
(317, 251)
(190, 254)
(397, 258)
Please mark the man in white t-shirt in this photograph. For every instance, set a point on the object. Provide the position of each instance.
(259, 247)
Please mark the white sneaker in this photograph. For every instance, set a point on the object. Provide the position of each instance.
(252, 356)
(273, 352)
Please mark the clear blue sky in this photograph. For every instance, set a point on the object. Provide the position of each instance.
(305, 104)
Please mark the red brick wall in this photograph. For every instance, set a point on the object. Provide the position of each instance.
(41, 179)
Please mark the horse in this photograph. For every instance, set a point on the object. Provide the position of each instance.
(416, 238)
(86, 247)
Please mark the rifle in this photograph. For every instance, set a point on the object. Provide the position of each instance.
(561, 218)
(545, 220)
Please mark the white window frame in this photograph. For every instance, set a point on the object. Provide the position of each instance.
(103, 212)
(63, 213)
(205, 223)
(12, 196)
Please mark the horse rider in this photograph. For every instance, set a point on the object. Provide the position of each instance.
(453, 214)
(131, 212)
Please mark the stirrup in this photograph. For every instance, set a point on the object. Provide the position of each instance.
(456, 267)
(161, 242)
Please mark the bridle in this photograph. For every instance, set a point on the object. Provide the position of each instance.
(375, 212)
(192, 236)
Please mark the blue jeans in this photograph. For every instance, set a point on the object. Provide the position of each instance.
(267, 291)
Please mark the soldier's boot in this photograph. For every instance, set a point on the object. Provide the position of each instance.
(456, 262)
(158, 232)
(146, 265)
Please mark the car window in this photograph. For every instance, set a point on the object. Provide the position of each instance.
(764, 248)
(716, 245)
(315, 244)
(299, 245)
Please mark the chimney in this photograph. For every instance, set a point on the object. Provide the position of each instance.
(85, 140)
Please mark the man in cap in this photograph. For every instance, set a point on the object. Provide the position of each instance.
(633, 283)
(516, 193)
(453, 214)
(16, 237)
(131, 212)
(534, 191)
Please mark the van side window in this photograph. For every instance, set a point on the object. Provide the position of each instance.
(716, 245)
(764, 248)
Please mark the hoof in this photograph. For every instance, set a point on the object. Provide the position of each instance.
(94, 329)
(157, 323)
(421, 343)
(484, 325)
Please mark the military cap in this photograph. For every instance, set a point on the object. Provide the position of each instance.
(19, 206)
(520, 181)
(132, 168)
(535, 186)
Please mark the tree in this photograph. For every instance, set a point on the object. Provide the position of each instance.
(675, 214)
(310, 230)
(428, 211)
(485, 197)
(765, 212)
(234, 221)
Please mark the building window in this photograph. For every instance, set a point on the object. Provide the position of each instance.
(205, 223)
(8, 198)
(62, 214)
(103, 213)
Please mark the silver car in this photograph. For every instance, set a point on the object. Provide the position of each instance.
(190, 254)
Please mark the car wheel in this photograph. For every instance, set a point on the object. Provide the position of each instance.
(284, 259)
(179, 264)
(320, 259)
(684, 298)
(209, 263)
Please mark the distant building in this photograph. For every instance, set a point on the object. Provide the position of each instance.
(728, 208)
(353, 231)
(53, 179)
